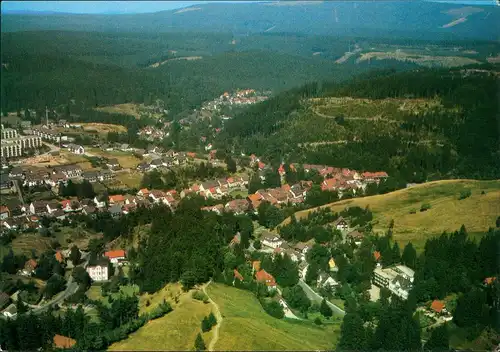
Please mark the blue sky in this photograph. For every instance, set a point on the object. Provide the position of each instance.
(130, 6)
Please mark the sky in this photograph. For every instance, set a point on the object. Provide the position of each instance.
(132, 6)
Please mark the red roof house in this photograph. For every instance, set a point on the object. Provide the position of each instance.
(437, 306)
(266, 278)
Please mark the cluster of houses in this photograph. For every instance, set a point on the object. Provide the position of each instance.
(152, 133)
(32, 176)
(240, 97)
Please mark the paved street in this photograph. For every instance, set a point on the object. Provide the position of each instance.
(313, 296)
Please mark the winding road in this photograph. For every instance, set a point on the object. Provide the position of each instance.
(218, 315)
(313, 296)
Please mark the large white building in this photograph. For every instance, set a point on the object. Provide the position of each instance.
(13, 145)
(98, 271)
(398, 279)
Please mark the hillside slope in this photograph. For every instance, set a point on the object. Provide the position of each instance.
(247, 327)
(447, 213)
(402, 19)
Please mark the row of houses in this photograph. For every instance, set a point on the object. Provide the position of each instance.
(281, 195)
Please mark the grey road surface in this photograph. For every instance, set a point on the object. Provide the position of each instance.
(313, 296)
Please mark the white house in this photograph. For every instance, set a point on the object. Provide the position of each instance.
(76, 149)
(398, 279)
(341, 224)
(98, 271)
(271, 240)
(99, 203)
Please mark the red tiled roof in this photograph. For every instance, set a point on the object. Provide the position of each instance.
(117, 198)
(59, 257)
(230, 180)
(286, 187)
(238, 275)
(63, 341)
(328, 184)
(115, 254)
(65, 203)
(489, 280)
(4, 209)
(375, 174)
(437, 306)
(191, 154)
(281, 169)
(144, 191)
(265, 277)
(32, 264)
(376, 255)
(256, 265)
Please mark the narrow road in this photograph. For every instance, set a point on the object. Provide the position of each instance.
(357, 118)
(18, 190)
(313, 296)
(218, 315)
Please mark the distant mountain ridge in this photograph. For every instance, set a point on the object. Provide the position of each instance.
(411, 19)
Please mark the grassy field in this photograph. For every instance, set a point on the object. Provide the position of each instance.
(477, 213)
(246, 326)
(124, 109)
(125, 159)
(130, 180)
(175, 331)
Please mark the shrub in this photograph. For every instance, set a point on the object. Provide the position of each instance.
(425, 207)
(273, 308)
(413, 211)
(317, 321)
(465, 194)
(200, 296)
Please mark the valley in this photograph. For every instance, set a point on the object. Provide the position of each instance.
(250, 176)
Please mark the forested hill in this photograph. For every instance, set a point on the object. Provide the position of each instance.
(409, 19)
(451, 129)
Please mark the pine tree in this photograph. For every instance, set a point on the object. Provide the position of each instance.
(212, 319)
(325, 310)
(205, 324)
(199, 344)
(409, 257)
(352, 334)
(75, 255)
(396, 253)
(20, 306)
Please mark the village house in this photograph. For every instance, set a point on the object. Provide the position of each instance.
(98, 269)
(398, 279)
(38, 207)
(302, 247)
(326, 281)
(270, 239)
(264, 277)
(115, 210)
(355, 236)
(29, 267)
(143, 167)
(157, 196)
(255, 199)
(113, 164)
(238, 206)
(52, 206)
(116, 199)
(100, 201)
(303, 265)
(90, 176)
(63, 342)
(10, 224)
(237, 275)
(70, 171)
(105, 175)
(116, 257)
(76, 149)
(156, 163)
(4, 212)
(341, 224)
(374, 176)
(143, 192)
(218, 208)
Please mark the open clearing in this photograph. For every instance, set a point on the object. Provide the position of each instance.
(247, 327)
(186, 58)
(124, 109)
(175, 331)
(419, 59)
(366, 109)
(477, 213)
(126, 159)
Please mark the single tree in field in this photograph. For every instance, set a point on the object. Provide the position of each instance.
(75, 255)
(325, 310)
(212, 319)
(199, 344)
(205, 324)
